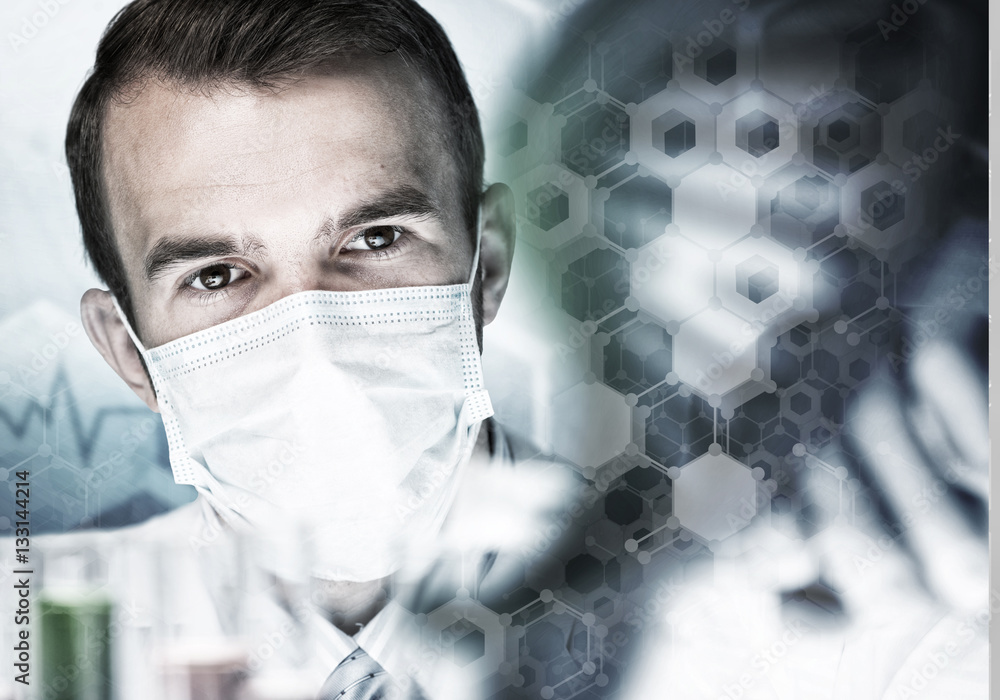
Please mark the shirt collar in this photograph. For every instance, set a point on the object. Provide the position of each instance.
(390, 638)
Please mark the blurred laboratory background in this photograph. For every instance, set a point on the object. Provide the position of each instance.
(749, 292)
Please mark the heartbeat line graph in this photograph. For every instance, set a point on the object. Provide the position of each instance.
(83, 438)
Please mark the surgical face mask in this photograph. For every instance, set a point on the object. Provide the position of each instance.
(347, 414)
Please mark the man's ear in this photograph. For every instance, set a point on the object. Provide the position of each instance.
(108, 334)
(497, 246)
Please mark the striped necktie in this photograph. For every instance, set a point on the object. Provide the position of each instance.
(360, 677)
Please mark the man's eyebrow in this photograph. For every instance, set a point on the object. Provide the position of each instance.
(168, 252)
(404, 201)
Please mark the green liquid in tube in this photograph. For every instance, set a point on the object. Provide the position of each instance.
(75, 645)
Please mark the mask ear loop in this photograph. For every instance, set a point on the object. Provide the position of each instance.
(203, 479)
(479, 241)
(128, 327)
(478, 402)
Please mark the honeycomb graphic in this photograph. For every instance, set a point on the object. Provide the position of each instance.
(746, 213)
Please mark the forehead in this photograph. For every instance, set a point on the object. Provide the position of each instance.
(176, 156)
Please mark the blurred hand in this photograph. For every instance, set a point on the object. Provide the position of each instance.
(923, 446)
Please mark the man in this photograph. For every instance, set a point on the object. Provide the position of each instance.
(286, 203)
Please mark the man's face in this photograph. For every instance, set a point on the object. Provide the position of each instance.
(225, 200)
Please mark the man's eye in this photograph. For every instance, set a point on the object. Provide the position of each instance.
(375, 238)
(216, 277)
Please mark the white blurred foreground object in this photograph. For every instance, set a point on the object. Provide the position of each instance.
(196, 610)
(892, 601)
(744, 636)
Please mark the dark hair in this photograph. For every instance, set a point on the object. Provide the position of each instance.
(255, 42)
